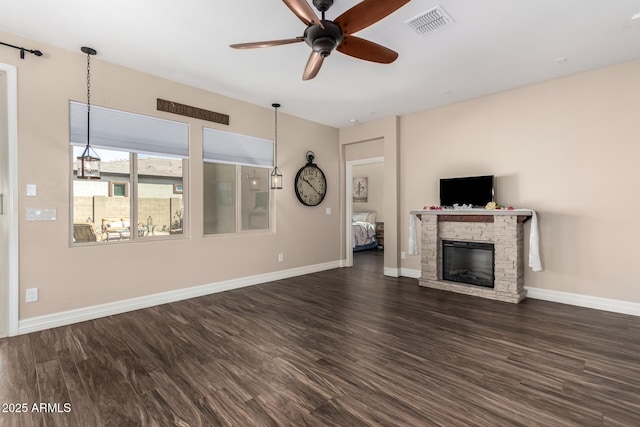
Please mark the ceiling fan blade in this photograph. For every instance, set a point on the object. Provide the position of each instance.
(313, 66)
(366, 13)
(303, 11)
(367, 50)
(266, 43)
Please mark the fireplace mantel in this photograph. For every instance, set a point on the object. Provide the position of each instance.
(503, 228)
(474, 215)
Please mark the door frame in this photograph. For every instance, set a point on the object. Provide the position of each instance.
(11, 200)
(349, 202)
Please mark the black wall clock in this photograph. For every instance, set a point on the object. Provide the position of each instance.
(310, 183)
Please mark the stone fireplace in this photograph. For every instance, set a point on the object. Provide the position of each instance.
(499, 231)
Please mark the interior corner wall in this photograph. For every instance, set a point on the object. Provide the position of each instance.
(71, 277)
(567, 148)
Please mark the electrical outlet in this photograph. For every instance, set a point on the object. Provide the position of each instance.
(403, 255)
(328, 211)
(280, 257)
(32, 294)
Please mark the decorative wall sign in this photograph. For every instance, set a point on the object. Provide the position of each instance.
(360, 189)
(189, 111)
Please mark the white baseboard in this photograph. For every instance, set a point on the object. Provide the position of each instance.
(64, 318)
(606, 304)
(410, 272)
(616, 306)
(391, 272)
(95, 312)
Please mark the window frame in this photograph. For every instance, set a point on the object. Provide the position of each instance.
(229, 148)
(131, 186)
(237, 191)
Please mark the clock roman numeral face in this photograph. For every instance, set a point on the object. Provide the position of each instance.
(311, 185)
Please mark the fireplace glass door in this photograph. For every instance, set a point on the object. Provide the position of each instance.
(468, 262)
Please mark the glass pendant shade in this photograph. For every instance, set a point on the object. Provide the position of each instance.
(276, 179)
(88, 164)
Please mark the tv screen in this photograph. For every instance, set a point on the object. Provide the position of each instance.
(473, 190)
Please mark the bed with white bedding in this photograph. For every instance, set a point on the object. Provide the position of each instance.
(364, 231)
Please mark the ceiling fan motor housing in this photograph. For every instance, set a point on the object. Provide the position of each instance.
(323, 41)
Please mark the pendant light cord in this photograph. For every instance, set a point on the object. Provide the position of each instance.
(275, 142)
(88, 96)
(275, 160)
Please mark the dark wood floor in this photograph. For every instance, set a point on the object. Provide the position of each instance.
(345, 347)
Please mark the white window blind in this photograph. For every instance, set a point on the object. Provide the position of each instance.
(227, 147)
(120, 130)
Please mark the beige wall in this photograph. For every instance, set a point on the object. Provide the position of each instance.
(74, 277)
(567, 148)
(363, 150)
(375, 178)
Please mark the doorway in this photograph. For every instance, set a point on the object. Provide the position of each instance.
(374, 168)
(8, 201)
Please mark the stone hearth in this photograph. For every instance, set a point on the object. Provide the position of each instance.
(502, 228)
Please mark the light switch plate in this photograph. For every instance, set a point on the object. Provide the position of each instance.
(32, 190)
(41, 214)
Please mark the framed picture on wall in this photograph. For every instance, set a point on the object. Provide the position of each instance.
(360, 189)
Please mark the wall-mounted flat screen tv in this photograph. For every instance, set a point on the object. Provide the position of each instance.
(471, 190)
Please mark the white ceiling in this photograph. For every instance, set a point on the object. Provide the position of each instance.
(493, 45)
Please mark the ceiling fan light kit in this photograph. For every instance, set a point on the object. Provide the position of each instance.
(324, 36)
(323, 40)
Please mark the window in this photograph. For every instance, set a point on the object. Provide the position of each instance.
(236, 182)
(143, 161)
(118, 188)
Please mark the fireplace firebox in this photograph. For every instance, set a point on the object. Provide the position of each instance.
(468, 262)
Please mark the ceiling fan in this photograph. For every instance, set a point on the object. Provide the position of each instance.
(324, 36)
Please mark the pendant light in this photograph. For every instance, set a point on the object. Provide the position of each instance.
(276, 176)
(88, 162)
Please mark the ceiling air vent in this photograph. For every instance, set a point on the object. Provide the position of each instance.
(430, 21)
